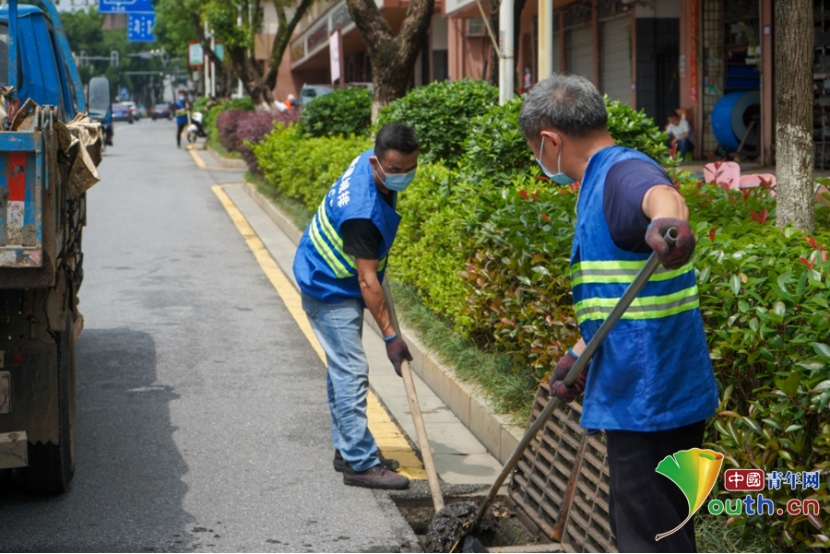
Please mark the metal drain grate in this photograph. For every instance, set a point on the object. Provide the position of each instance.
(561, 482)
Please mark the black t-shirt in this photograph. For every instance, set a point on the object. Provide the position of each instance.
(361, 237)
(625, 186)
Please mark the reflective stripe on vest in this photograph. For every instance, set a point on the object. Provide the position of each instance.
(619, 272)
(647, 307)
(331, 250)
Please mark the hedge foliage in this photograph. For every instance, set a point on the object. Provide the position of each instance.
(440, 115)
(304, 168)
(493, 262)
(339, 113)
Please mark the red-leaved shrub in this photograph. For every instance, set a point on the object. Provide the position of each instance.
(251, 128)
(226, 124)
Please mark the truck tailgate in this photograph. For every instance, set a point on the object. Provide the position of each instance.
(21, 199)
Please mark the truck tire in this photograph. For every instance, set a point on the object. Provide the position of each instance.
(51, 467)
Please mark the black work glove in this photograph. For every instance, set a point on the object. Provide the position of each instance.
(557, 385)
(672, 257)
(398, 351)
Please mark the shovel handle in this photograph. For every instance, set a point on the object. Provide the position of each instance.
(415, 410)
(593, 345)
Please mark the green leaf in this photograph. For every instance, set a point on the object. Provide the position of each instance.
(789, 385)
(821, 349)
(779, 308)
(824, 385)
(735, 284)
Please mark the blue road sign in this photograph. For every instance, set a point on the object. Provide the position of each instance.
(140, 27)
(125, 6)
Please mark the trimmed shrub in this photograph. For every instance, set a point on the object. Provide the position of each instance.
(430, 242)
(339, 113)
(226, 124)
(496, 149)
(440, 114)
(304, 168)
(634, 129)
(252, 128)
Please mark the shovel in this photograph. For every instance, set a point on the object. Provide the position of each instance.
(625, 301)
(415, 408)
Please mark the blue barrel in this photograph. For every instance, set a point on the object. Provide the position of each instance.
(728, 119)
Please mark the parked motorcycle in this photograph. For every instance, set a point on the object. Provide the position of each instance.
(196, 129)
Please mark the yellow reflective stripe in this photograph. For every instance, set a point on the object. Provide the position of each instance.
(620, 272)
(323, 249)
(331, 234)
(649, 307)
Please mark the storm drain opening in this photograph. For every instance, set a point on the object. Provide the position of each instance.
(508, 530)
(562, 481)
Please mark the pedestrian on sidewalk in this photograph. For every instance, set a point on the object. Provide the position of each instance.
(650, 386)
(182, 109)
(680, 135)
(339, 266)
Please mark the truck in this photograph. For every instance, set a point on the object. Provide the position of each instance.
(49, 150)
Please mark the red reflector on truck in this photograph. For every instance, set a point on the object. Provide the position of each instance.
(17, 177)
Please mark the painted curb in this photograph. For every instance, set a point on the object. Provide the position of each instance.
(495, 432)
(227, 162)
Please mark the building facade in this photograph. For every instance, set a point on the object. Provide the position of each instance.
(712, 59)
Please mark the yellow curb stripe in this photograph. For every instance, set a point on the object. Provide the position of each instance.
(390, 438)
(196, 157)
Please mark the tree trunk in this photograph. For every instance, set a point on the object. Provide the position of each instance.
(794, 110)
(494, 53)
(393, 56)
(253, 81)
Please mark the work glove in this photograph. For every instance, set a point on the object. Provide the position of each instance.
(671, 257)
(397, 351)
(557, 385)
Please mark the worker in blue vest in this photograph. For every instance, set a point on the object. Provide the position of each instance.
(339, 267)
(182, 110)
(650, 386)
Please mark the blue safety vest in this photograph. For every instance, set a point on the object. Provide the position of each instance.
(322, 269)
(181, 112)
(652, 372)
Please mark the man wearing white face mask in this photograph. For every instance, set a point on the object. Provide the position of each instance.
(650, 385)
(339, 266)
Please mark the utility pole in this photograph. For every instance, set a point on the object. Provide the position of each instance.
(545, 31)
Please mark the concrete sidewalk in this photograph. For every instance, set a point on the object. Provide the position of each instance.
(460, 458)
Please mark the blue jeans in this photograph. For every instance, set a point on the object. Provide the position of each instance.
(684, 146)
(339, 328)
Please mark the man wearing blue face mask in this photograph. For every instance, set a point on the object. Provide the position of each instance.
(339, 266)
(650, 385)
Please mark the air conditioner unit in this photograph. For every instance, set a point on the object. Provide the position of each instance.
(476, 27)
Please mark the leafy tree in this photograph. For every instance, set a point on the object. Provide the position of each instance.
(84, 31)
(182, 21)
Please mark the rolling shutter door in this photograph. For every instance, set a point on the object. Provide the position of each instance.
(615, 59)
(580, 55)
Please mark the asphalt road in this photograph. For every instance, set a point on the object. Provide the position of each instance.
(202, 416)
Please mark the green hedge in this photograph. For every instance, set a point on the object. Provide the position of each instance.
(440, 115)
(492, 262)
(304, 168)
(339, 113)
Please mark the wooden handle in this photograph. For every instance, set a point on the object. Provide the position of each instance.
(423, 440)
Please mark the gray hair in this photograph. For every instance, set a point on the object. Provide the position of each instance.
(568, 103)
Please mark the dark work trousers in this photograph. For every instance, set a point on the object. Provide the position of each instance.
(179, 128)
(644, 503)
